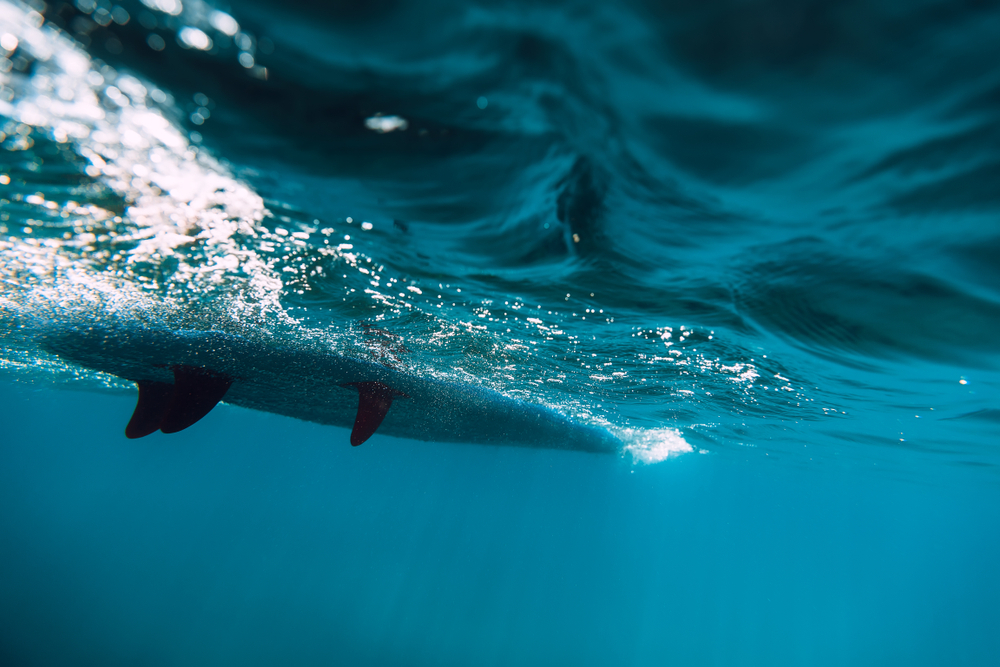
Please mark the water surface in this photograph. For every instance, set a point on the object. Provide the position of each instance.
(757, 241)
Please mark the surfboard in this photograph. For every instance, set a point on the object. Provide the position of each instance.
(181, 375)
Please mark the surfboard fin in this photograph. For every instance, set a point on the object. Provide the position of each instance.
(174, 407)
(149, 409)
(196, 392)
(374, 401)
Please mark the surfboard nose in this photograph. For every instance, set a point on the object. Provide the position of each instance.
(174, 407)
(374, 401)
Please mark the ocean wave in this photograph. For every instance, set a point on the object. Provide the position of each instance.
(574, 207)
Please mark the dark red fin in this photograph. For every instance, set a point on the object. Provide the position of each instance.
(196, 392)
(154, 397)
(374, 401)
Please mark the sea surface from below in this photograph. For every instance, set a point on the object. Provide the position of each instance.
(756, 241)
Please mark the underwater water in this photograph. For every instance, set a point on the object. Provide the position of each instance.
(756, 244)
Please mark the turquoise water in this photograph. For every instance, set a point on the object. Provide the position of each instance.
(255, 539)
(756, 242)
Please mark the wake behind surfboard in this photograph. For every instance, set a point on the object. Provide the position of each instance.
(182, 375)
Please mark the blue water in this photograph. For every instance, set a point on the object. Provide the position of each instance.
(757, 241)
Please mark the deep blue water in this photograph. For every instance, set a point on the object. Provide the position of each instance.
(758, 241)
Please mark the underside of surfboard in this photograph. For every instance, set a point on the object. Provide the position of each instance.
(182, 375)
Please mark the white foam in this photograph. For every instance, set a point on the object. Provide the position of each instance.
(181, 202)
(653, 445)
